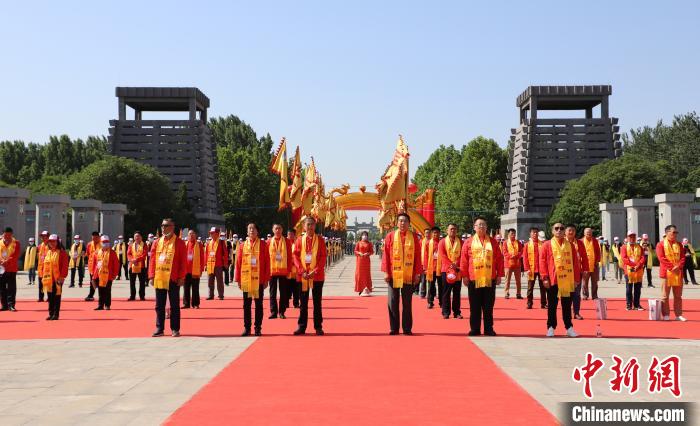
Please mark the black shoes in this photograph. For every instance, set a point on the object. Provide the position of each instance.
(529, 306)
(283, 316)
(246, 332)
(258, 332)
(221, 297)
(459, 316)
(87, 299)
(210, 298)
(157, 333)
(408, 333)
(319, 332)
(272, 316)
(299, 332)
(490, 333)
(473, 333)
(99, 308)
(186, 307)
(132, 298)
(445, 317)
(518, 297)
(393, 333)
(12, 309)
(430, 306)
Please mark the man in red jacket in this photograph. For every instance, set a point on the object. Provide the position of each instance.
(281, 260)
(481, 263)
(252, 273)
(671, 260)
(580, 268)
(104, 267)
(592, 249)
(217, 260)
(531, 264)
(450, 249)
(166, 272)
(401, 264)
(512, 252)
(54, 271)
(632, 259)
(195, 268)
(9, 254)
(310, 259)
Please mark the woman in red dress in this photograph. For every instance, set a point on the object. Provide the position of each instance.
(363, 277)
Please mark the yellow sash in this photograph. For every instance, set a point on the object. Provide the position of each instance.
(250, 273)
(433, 258)
(514, 250)
(278, 255)
(136, 250)
(673, 254)
(634, 252)
(75, 255)
(51, 271)
(121, 252)
(212, 247)
(165, 252)
(30, 258)
(603, 255)
(196, 265)
(531, 259)
(402, 259)
(563, 267)
(482, 261)
(6, 251)
(590, 252)
(102, 266)
(293, 269)
(306, 284)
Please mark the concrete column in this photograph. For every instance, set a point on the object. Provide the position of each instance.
(12, 212)
(641, 217)
(112, 219)
(193, 109)
(51, 215)
(604, 107)
(29, 222)
(86, 217)
(122, 109)
(522, 222)
(694, 223)
(533, 108)
(675, 209)
(613, 221)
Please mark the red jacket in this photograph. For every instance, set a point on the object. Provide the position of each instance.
(11, 264)
(466, 264)
(664, 263)
(596, 250)
(62, 264)
(221, 253)
(547, 267)
(514, 260)
(132, 257)
(320, 258)
(290, 256)
(179, 268)
(264, 263)
(388, 252)
(114, 265)
(190, 258)
(626, 259)
(444, 259)
(526, 256)
(426, 255)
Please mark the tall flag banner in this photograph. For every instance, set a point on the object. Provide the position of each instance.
(393, 185)
(278, 166)
(307, 195)
(297, 183)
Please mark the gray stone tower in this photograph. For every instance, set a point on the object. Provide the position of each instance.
(182, 150)
(547, 152)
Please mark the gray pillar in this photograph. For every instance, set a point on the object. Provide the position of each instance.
(613, 221)
(589, 112)
(13, 202)
(122, 109)
(604, 108)
(193, 109)
(112, 219)
(675, 209)
(51, 215)
(694, 223)
(522, 222)
(641, 217)
(86, 217)
(533, 108)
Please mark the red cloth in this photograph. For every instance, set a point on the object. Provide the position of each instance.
(290, 257)
(363, 276)
(221, 253)
(526, 256)
(596, 250)
(179, 269)
(11, 264)
(445, 261)
(320, 257)
(263, 262)
(388, 254)
(547, 268)
(466, 264)
(113, 266)
(509, 261)
(131, 255)
(63, 264)
(582, 264)
(202, 259)
(626, 259)
(664, 263)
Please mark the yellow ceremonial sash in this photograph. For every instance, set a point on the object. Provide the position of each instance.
(196, 265)
(6, 251)
(75, 254)
(102, 266)
(590, 252)
(482, 261)
(531, 259)
(603, 255)
(433, 258)
(278, 255)
(293, 269)
(165, 252)
(308, 264)
(29, 258)
(402, 260)
(563, 267)
(673, 254)
(136, 250)
(212, 247)
(51, 271)
(250, 269)
(121, 252)
(513, 248)
(634, 252)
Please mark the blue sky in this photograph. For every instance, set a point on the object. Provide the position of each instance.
(342, 80)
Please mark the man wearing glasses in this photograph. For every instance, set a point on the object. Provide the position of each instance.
(671, 260)
(166, 272)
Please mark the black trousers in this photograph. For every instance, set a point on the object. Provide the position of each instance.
(276, 282)
(531, 288)
(81, 275)
(142, 276)
(54, 301)
(162, 296)
(226, 276)
(104, 295)
(405, 294)
(295, 289)
(247, 308)
(688, 269)
(648, 276)
(217, 276)
(8, 289)
(432, 291)
(423, 289)
(553, 302)
(125, 267)
(633, 293)
(317, 296)
(451, 297)
(481, 301)
(191, 293)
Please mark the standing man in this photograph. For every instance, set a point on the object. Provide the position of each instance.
(54, 270)
(580, 268)
(512, 251)
(690, 262)
(592, 248)
(648, 251)
(216, 262)
(229, 250)
(310, 258)
(136, 254)
(195, 268)
(104, 266)
(671, 260)
(120, 247)
(616, 259)
(450, 249)
(166, 273)
(402, 266)
(92, 247)
(423, 280)
(280, 256)
(294, 285)
(481, 263)
(632, 256)
(431, 267)
(77, 261)
(41, 252)
(557, 260)
(604, 258)
(30, 256)
(531, 263)
(9, 255)
(252, 276)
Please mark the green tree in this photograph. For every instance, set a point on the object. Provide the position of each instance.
(184, 217)
(438, 168)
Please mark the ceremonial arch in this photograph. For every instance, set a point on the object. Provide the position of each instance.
(370, 201)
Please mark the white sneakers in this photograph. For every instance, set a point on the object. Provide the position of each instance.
(681, 318)
(667, 318)
(570, 332)
(365, 293)
(550, 332)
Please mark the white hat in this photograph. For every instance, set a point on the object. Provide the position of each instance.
(645, 236)
(213, 229)
(53, 237)
(76, 237)
(616, 239)
(685, 241)
(120, 237)
(631, 233)
(235, 235)
(151, 235)
(105, 238)
(31, 239)
(44, 233)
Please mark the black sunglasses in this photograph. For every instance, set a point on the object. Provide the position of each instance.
(559, 228)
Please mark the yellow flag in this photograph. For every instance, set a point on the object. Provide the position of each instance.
(278, 166)
(297, 184)
(307, 195)
(393, 184)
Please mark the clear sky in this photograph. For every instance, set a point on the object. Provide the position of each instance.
(343, 79)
